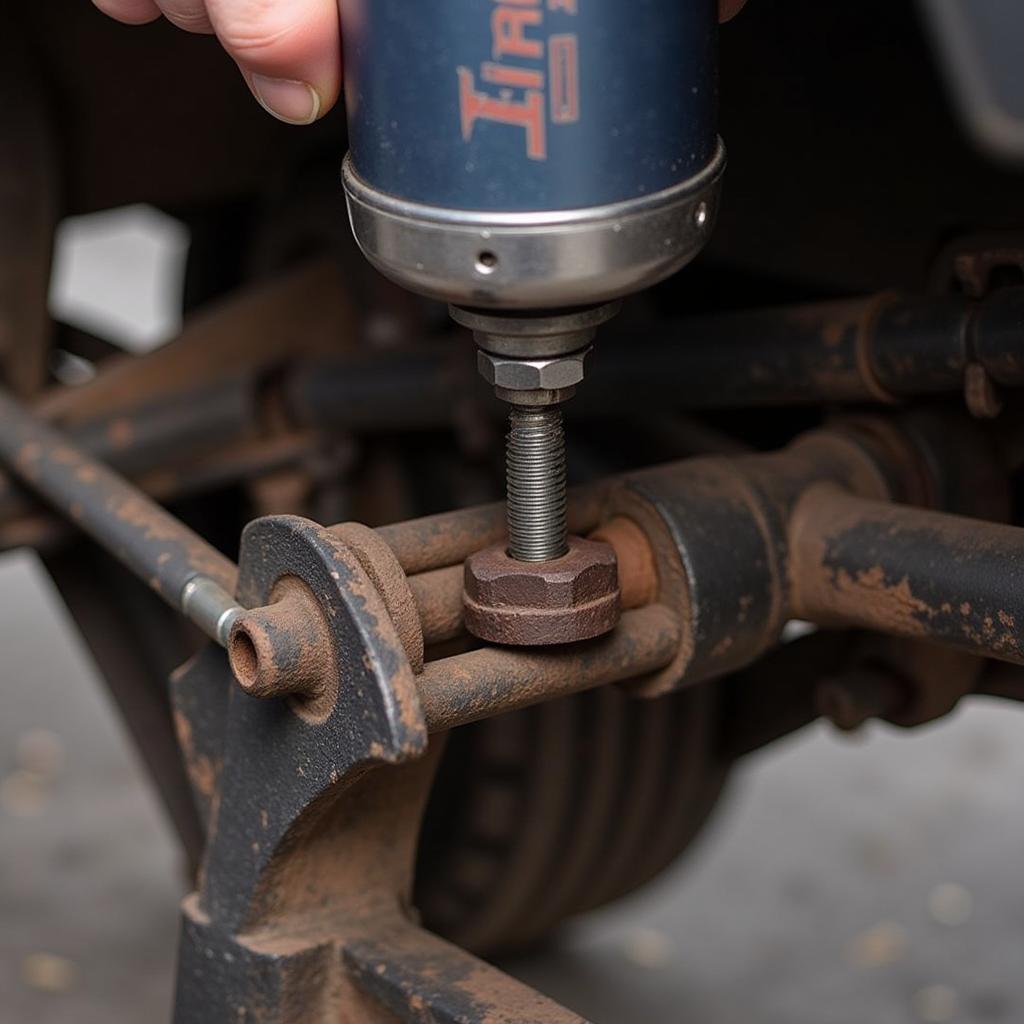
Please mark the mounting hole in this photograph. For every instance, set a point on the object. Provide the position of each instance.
(486, 262)
(244, 658)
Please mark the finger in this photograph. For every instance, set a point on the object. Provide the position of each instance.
(728, 9)
(187, 14)
(131, 12)
(289, 53)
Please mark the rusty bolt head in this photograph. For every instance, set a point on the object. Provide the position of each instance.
(533, 604)
(554, 374)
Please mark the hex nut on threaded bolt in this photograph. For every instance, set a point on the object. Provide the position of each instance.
(528, 604)
(554, 374)
(544, 587)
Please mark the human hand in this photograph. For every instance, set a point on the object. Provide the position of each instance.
(289, 53)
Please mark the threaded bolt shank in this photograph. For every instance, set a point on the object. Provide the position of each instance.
(536, 485)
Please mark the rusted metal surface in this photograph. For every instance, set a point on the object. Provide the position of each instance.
(283, 648)
(722, 546)
(765, 357)
(884, 348)
(848, 678)
(776, 356)
(343, 877)
(637, 567)
(490, 681)
(438, 593)
(718, 530)
(908, 572)
(151, 542)
(302, 910)
(731, 542)
(138, 401)
(916, 345)
(435, 542)
(283, 764)
(199, 473)
(187, 416)
(405, 968)
(245, 460)
(901, 470)
(284, 787)
(567, 599)
(721, 528)
(304, 312)
(996, 335)
(453, 691)
(438, 598)
(972, 263)
(379, 563)
(200, 695)
(930, 346)
(460, 989)
(140, 439)
(131, 414)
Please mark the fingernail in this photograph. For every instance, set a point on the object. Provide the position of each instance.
(291, 102)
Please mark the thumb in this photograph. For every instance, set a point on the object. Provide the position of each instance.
(289, 53)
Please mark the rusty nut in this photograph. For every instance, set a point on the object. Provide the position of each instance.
(553, 374)
(535, 604)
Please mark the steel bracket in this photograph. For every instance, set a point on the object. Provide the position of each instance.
(304, 910)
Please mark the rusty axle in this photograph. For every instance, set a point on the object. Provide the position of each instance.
(187, 572)
(494, 680)
(734, 546)
(726, 545)
(909, 572)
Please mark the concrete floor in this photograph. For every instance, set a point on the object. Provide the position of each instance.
(872, 882)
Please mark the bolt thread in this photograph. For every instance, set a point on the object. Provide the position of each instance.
(536, 485)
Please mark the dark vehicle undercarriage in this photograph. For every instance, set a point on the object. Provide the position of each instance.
(369, 796)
